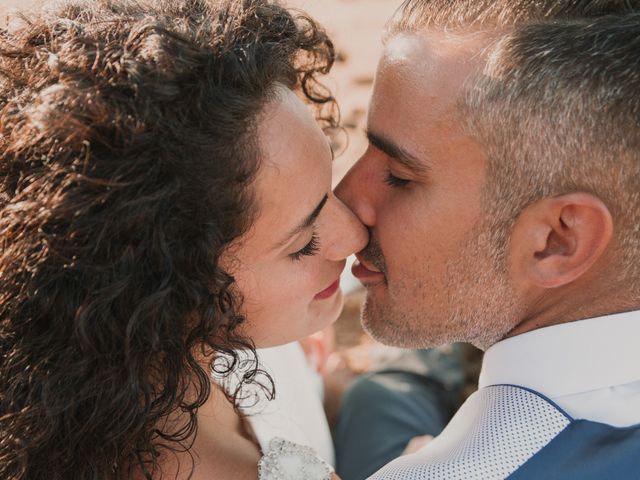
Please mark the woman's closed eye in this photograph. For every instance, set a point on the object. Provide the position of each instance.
(309, 249)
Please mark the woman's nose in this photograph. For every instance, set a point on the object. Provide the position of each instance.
(347, 234)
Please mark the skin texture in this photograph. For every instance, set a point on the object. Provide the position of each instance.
(430, 267)
(279, 290)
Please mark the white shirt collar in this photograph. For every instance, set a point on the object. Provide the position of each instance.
(569, 358)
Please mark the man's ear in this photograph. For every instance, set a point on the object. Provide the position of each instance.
(557, 240)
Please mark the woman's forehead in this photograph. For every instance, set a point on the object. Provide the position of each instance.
(295, 170)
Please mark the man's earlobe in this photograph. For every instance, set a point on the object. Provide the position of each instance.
(557, 240)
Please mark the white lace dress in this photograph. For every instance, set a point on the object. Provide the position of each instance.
(285, 460)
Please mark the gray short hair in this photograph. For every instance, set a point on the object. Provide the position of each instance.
(414, 15)
(558, 110)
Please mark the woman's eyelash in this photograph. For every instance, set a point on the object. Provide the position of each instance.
(394, 181)
(309, 249)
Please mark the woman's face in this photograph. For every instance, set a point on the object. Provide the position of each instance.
(288, 265)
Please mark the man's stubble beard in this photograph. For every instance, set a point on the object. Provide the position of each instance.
(476, 303)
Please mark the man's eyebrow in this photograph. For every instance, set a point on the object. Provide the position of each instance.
(307, 222)
(396, 152)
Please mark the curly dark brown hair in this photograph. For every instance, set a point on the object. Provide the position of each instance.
(127, 152)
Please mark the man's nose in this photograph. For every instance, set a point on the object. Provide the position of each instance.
(356, 191)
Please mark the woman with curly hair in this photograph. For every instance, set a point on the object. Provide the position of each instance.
(165, 203)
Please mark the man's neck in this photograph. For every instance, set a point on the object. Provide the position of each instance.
(572, 304)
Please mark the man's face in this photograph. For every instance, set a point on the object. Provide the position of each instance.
(428, 270)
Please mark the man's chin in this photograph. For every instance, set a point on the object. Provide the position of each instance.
(382, 328)
(394, 328)
(389, 336)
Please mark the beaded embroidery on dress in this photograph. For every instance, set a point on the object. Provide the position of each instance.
(285, 460)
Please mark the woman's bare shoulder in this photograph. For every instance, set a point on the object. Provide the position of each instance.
(232, 460)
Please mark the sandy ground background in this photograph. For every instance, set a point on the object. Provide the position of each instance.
(355, 27)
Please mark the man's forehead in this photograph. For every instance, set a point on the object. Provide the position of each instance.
(435, 48)
(417, 91)
(426, 73)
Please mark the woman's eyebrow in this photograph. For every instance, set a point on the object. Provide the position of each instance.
(307, 222)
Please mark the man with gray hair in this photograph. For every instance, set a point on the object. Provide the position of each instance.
(501, 189)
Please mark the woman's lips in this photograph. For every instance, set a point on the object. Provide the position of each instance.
(329, 291)
(366, 273)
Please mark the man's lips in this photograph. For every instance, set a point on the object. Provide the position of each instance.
(365, 272)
